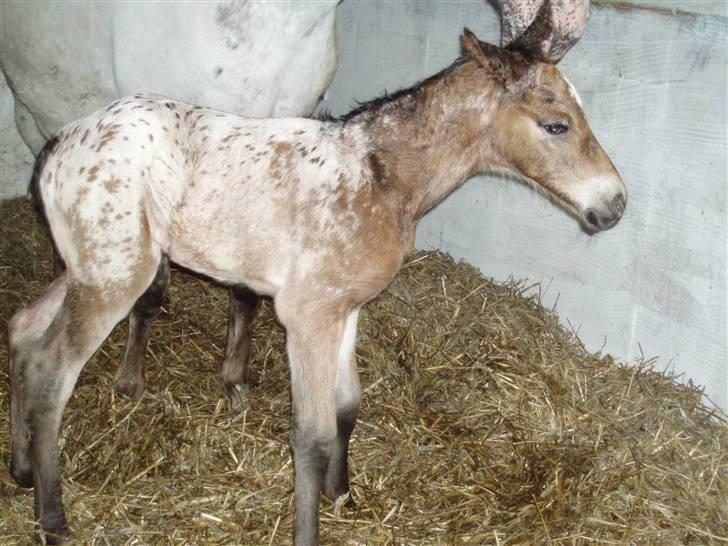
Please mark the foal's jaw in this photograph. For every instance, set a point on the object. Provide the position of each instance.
(594, 210)
(597, 202)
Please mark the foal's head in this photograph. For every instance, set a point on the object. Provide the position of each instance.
(540, 133)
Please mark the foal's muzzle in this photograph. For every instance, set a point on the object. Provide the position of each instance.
(597, 219)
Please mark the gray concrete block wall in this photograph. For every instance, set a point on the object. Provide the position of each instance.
(704, 7)
(653, 84)
(16, 160)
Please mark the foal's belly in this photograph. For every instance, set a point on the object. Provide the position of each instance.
(234, 239)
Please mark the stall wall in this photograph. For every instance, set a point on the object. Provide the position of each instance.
(16, 160)
(653, 82)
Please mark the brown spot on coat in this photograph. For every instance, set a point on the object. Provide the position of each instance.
(112, 184)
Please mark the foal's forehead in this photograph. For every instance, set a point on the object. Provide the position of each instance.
(551, 79)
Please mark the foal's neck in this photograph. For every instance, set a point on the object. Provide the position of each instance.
(428, 140)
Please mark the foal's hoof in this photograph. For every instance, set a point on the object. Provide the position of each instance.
(239, 397)
(340, 496)
(129, 387)
(54, 532)
(59, 537)
(22, 476)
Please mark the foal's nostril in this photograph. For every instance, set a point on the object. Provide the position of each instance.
(592, 219)
(618, 204)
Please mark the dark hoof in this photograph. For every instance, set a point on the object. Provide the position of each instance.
(54, 534)
(344, 502)
(239, 397)
(53, 538)
(22, 476)
(340, 496)
(129, 387)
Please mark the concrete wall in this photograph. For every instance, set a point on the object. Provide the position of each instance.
(654, 89)
(704, 7)
(16, 161)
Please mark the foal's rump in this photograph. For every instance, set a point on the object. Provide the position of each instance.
(95, 187)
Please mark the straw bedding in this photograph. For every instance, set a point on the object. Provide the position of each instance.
(483, 422)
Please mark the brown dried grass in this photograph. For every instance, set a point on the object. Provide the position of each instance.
(483, 422)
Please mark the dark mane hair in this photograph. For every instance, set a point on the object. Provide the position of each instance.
(34, 185)
(404, 100)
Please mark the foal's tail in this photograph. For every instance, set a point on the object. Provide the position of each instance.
(37, 195)
(34, 187)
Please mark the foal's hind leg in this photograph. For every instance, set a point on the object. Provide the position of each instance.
(26, 326)
(50, 343)
(129, 378)
(235, 373)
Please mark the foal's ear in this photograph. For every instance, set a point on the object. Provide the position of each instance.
(487, 55)
(483, 52)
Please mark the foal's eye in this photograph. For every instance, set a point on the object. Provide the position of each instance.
(555, 128)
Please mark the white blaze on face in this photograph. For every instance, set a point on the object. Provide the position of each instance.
(573, 92)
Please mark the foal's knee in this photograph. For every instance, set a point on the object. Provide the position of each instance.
(23, 329)
(312, 447)
(32, 321)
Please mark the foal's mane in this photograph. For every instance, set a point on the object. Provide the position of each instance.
(513, 64)
(402, 101)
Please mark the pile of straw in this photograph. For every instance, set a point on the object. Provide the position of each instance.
(483, 422)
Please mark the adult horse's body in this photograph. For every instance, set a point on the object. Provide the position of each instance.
(64, 60)
(317, 214)
(257, 59)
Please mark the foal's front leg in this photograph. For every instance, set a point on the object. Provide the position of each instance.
(235, 372)
(348, 396)
(325, 396)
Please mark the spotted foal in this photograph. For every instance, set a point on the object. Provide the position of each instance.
(319, 215)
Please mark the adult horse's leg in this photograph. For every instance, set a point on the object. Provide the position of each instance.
(27, 127)
(129, 377)
(235, 371)
(50, 341)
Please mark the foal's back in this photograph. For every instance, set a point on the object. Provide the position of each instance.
(241, 200)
